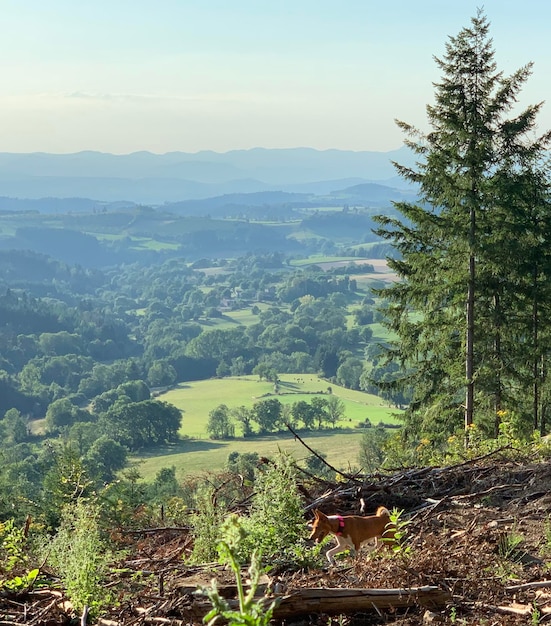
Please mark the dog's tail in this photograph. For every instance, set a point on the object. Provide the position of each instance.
(382, 511)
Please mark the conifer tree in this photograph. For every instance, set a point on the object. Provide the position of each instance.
(458, 247)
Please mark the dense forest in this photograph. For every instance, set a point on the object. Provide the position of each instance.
(83, 351)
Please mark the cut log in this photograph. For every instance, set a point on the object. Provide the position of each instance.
(342, 601)
(335, 601)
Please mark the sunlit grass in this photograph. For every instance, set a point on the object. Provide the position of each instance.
(198, 398)
(196, 456)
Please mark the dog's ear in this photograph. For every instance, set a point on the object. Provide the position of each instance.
(316, 513)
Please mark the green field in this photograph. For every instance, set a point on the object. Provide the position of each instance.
(315, 259)
(198, 456)
(238, 317)
(196, 399)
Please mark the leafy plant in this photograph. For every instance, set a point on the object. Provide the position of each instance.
(14, 559)
(12, 540)
(252, 611)
(80, 557)
(399, 525)
(206, 526)
(508, 545)
(536, 615)
(20, 583)
(276, 524)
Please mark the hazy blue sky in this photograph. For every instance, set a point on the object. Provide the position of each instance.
(164, 75)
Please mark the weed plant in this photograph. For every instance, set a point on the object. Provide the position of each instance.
(12, 546)
(80, 557)
(399, 542)
(252, 611)
(14, 559)
(275, 526)
(509, 546)
(206, 526)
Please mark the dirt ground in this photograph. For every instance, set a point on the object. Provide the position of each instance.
(479, 531)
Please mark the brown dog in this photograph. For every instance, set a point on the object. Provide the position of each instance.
(352, 531)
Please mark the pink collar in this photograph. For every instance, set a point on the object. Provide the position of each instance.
(341, 524)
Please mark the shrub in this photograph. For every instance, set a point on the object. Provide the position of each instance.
(276, 525)
(206, 524)
(274, 528)
(80, 558)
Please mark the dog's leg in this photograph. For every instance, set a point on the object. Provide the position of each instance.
(330, 555)
(341, 546)
(372, 546)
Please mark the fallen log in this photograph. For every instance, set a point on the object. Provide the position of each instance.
(333, 601)
(341, 601)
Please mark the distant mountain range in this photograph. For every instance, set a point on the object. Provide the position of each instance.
(176, 177)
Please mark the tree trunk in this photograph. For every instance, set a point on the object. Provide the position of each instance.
(535, 339)
(469, 343)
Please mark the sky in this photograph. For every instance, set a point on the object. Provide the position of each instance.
(122, 76)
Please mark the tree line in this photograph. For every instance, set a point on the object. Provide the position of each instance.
(271, 415)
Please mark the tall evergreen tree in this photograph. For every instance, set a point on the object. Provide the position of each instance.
(459, 279)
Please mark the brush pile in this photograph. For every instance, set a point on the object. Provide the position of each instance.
(479, 540)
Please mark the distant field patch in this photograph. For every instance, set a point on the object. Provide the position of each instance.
(136, 243)
(317, 259)
(231, 319)
(381, 271)
(197, 398)
(194, 457)
(154, 244)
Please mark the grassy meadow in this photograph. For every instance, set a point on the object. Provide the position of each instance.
(198, 456)
(197, 453)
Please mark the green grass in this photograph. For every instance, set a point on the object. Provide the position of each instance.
(196, 453)
(231, 319)
(314, 259)
(198, 398)
(198, 456)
